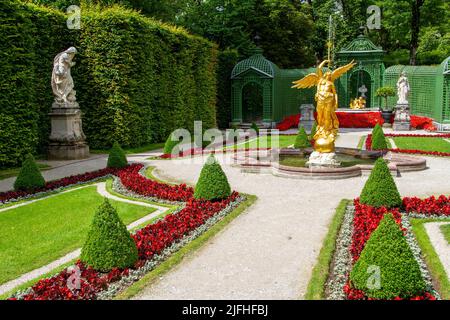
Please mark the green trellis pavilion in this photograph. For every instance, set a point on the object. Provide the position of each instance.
(261, 91)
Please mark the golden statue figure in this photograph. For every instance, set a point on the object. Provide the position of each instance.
(358, 103)
(327, 103)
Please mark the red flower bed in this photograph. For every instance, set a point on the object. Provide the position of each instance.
(360, 119)
(133, 181)
(64, 182)
(150, 240)
(367, 219)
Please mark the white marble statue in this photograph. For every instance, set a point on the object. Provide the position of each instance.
(403, 89)
(62, 82)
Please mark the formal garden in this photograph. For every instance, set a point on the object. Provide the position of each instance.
(224, 150)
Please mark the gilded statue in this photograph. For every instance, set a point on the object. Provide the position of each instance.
(327, 103)
(358, 103)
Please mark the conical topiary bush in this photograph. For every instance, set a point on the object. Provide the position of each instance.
(313, 131)
(380, 189)
(30, 176)
(170, 144)
(378, 138)
(302, 141)
(117, 157)
(108, 244)
(213, 183)
(386, 267)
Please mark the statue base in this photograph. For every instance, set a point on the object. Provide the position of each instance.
(326, 160)
(67, 140)
(402, 120)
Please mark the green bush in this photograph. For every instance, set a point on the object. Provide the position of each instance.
(108, 244)
(302, 141)
(117, 157)
(255, 127)
(30, 176)
(170, 144)
(378, 138)
(380, 189)
(388, 250)
(313, 130)
(213, 183)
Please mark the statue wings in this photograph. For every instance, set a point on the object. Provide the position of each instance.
(341, 70)
(309, 81)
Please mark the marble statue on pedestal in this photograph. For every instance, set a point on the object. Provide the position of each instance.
(67, 140)
(402, 120)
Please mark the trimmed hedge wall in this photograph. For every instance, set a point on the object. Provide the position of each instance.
(136, 79)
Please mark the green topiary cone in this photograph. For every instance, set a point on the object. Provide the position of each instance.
(378, 138)
(380, 189)
(302, 141)
(30, 176)
(170, 144)
(117, 157)
(109, 244)
(213, 183)
(388, 254)
(313, 131)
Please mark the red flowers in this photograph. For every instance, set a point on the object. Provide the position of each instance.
(289, 122)
(150, 240)
(428, 206)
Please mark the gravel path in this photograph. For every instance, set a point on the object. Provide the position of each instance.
(101, 189)
(440, 244)
(269, 251)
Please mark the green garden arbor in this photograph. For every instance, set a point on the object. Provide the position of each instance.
(430, 89)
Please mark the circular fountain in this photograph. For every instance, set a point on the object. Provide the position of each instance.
(292, 163)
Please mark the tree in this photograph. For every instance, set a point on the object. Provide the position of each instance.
(385, 92)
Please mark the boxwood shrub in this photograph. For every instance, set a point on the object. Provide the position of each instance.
(213, 183)
(378, 138)
(302, 140)
(388, 252)
(30, 176)
(117, 157)
(380, 189)
(109, 244)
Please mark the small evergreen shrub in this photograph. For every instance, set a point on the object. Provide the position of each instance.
(302, 141)
(313, 131)
(380, 189)
(378, 138)
(213, 183)
(117, 157)
(255, 127)
(30, 176)
(108, 244)
(388, 250)
(170, 144)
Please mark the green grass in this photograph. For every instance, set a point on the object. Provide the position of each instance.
(145, 148)
(422, 143)
(282, 141)
(12, 172)
(184, 252)
(316, 285)
(445, 229)
(431, 258)
(361, 142)
(38, 233)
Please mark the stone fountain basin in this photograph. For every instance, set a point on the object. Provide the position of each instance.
(266, 162)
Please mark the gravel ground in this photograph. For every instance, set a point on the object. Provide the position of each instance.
(440, 244)
(269, 251)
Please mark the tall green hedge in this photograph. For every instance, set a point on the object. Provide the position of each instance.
(139, 79)
(136, 79)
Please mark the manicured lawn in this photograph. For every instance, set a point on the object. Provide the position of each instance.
(12, 172)
(446, 231)
(36, 234)
(425, 143)
(283, 141)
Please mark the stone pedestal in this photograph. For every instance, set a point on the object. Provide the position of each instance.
(402, 120)
(67, 140)
(307, 116)
(326, 160)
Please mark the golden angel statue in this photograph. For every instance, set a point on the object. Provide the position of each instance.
(327, 103)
